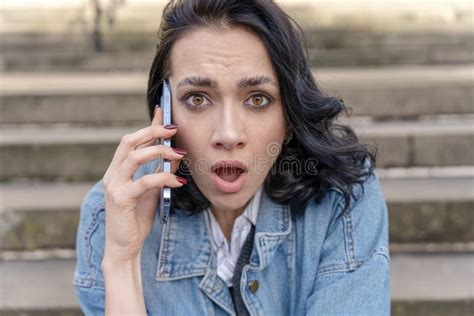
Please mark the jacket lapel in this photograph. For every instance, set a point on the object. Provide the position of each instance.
(186, 252)
(185, 248)
(273, 227)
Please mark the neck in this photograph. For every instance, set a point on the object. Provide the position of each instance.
(226, 219)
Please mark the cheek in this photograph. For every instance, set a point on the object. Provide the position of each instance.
(268, 149)
(188, 140)
(193, 139)
(266, 146)
(186, 135)
(269, 130)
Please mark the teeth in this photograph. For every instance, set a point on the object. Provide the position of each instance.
(229, 170)
(236, 169)
(229, 174)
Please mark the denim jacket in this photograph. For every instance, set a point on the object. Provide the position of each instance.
(321, 262)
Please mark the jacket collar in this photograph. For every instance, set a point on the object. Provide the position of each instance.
(185, 249)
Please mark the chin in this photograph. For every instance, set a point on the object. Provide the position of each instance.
(230, 202)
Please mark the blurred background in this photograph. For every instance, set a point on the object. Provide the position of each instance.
(73, 81)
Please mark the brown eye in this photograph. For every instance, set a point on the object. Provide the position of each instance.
(197, 100)
(258, 101)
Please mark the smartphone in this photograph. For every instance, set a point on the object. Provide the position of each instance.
(165, 165)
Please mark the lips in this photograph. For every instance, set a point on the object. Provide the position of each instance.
(229, 164)
(229, 175)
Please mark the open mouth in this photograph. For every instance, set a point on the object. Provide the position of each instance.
(229, 174)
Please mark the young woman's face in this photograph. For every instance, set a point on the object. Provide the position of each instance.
(227, 103)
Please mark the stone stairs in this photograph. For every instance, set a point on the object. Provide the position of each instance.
(341, 35)
(425, 219)
(57, 141)
(63, 111)
(381, 93)
(131, 51)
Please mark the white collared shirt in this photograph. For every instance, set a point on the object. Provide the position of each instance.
(227, 255)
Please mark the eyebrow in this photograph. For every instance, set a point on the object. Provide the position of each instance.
(244, 83)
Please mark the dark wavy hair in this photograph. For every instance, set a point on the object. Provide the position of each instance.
(338, 159)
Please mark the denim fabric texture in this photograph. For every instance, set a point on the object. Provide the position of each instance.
(323, 262)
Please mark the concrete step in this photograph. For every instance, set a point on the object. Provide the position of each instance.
(86, 61)
(329, 47)
(442, 287)
(420, 143)
(443, 54)
(71, 153)
(143, 15)
(49, 286)
(357, 47)
(381, 93)
(136, 39)
(429, 204)
(347, 37)
(440, 214)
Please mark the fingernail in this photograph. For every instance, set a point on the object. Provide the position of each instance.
(156, 109)
(181, 180)
(180, 151)
(171, 126)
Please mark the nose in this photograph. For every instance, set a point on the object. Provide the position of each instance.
(229, 131)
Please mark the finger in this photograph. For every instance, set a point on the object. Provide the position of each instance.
(149, 143)
(175, 165)
(158, 116)
(157, 120)
(153, 181)
(140, 156)
(130, 141)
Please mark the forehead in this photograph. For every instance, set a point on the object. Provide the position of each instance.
(236, 51)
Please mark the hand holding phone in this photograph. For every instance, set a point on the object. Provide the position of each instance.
(130, 197)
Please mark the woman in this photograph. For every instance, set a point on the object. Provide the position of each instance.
(276, 210)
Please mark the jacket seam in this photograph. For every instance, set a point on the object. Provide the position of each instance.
(349, 241)
(163, 253)
(346, 267)
(90, 277)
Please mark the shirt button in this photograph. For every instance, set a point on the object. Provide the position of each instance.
(253, 285)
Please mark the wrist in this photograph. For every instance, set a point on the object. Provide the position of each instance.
(123, 286)
(114, 262)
